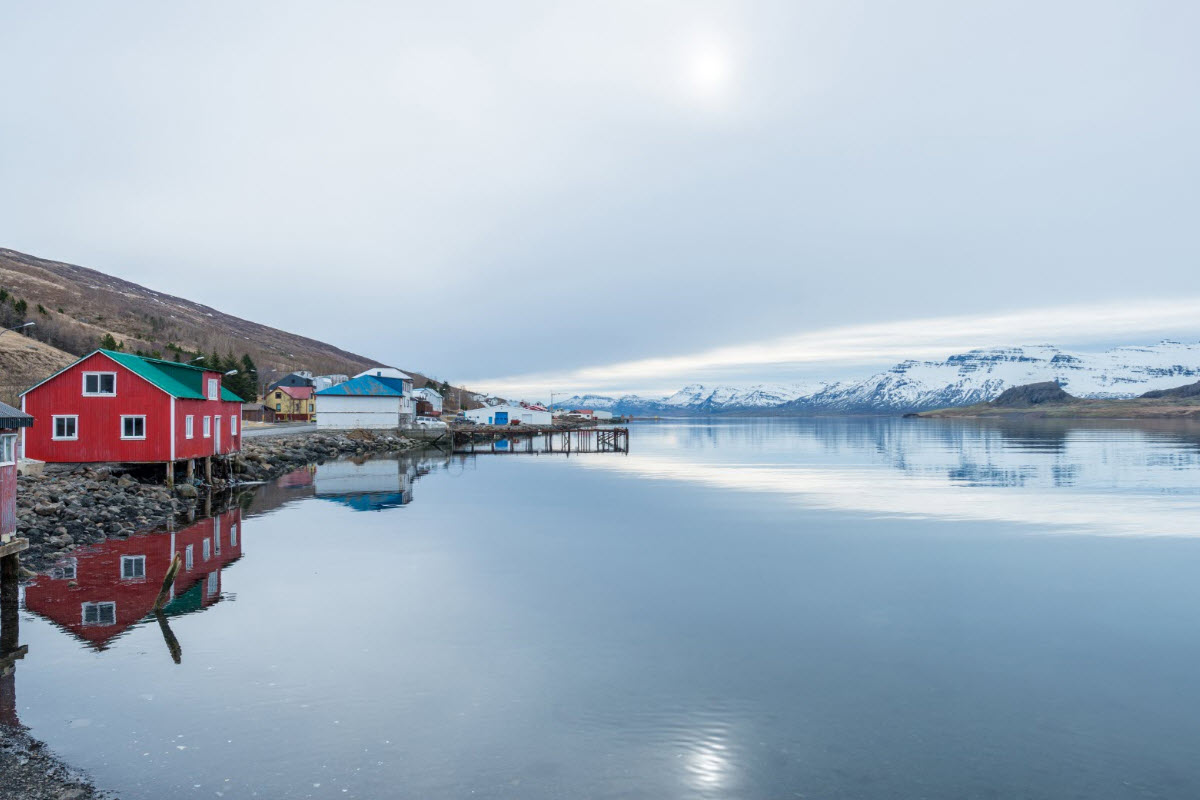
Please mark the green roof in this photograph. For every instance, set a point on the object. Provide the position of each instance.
(177, 380)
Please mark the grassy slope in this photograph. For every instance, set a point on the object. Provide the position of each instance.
(24, 362)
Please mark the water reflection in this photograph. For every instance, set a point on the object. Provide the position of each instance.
(1115, 478)
(99, 593)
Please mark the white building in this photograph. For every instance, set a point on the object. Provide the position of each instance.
(432, 396)
(387, 372)
(325, 381)
(506, 415)
(601, 415)
(366, 401)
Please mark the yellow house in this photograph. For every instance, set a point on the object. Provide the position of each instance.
(291, 403)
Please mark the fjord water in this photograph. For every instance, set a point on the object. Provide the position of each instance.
(832, 608)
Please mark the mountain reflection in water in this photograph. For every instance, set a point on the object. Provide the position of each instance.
(1114, 477)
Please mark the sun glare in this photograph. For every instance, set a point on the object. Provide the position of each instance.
(709, 71)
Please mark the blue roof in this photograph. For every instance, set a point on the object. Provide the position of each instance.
(367, 385)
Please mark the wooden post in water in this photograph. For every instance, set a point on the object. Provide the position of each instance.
(208, 469)
(10, 573)
(170, 474)
(164, 594)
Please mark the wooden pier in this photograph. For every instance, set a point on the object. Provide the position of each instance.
(529, 440)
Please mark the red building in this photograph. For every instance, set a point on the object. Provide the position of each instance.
(117, 407)
(100, 592)
(11, 421)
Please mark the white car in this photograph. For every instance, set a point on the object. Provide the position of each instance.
(429, 422)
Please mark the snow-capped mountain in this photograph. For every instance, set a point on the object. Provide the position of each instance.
(918, 385)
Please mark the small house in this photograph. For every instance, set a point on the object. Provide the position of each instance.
(12, 422)
(431, 396)
(294, 379)
(508, 414)
(367, 401)
(257, 412)
(117, 407)
(291, 403)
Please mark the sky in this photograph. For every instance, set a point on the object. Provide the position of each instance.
(526, 197)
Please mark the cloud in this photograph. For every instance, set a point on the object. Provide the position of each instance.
(833, 349)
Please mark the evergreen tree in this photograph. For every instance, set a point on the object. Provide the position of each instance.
(107, 342)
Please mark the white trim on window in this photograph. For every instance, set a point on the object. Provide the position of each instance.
(233, 423)
(214, 389)
(208, 427)
(206, 549)
(133, 568)
(133, 418)
(189, 557)
(233, 535)
(99, 389)
(74, 435)
(8, 449)
(189, 427)
(104, 613)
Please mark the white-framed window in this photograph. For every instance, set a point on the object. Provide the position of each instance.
(233, 420)
(100, 613)
(65, 570)
(133, 426)
(208, 427)
(214, 389)
(233, 535)
(189, 557)
(65, 427)
(206, 549)
(213, 581)
(189, 426)
(8, 449)
(99, 384)
(133, 568)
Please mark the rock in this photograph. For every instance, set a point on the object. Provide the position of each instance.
(186, 490)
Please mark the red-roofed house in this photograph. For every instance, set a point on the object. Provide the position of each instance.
(291, 403)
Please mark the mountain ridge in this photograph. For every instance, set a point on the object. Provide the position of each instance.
(961, 379)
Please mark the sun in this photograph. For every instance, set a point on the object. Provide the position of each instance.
(709, 71)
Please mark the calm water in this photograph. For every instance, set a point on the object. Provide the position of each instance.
(751, 609)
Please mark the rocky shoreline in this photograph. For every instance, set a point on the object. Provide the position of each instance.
(74, 506)
(28, 770)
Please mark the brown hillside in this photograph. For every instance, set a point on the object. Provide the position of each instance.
(81, 305)
(24, 362)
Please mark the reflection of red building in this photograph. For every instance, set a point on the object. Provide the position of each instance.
(100, 592)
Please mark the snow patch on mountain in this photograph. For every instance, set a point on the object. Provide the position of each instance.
(961, 379)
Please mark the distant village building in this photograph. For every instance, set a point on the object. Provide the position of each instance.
(12, 422)
(257, 412)
(111, 406)
(508, 414)
(294, 379)
(291, 403)
(432, 398)
(378, 399)
(325, 381)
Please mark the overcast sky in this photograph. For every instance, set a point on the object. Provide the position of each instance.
(489, 190)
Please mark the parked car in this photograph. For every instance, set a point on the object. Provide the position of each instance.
(430, 422)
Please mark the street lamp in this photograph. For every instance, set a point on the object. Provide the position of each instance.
(18, 327)
(197, 358)
(232, 372)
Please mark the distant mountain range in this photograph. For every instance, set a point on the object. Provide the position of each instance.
(910, 386)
